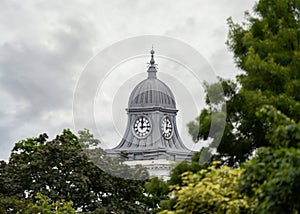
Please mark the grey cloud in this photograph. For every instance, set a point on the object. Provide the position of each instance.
(42, 78)
(44, 46)
(222, 61)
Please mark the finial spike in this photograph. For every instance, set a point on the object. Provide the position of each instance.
(152, 68)
(152, 61)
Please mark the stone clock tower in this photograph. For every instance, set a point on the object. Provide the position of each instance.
(151, 137)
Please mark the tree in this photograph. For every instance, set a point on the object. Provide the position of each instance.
(266, 49)
(166, 202)
(43, 205)
(272, 177)
(13, 204)
(61, 169)
(194, 166)
(231, 146)
(157, 190)
(57, 169)
(263, 117)
(212, 190)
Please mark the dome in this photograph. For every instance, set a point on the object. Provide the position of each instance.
(152, 92)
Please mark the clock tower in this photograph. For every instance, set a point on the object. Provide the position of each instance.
(151, 137)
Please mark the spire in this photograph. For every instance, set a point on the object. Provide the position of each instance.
(152, 67)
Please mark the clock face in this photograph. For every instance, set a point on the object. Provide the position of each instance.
(142, 126)
(167, 128)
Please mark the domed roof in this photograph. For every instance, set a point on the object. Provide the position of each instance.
(151, 91)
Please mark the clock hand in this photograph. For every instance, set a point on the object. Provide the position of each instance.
(165, 127)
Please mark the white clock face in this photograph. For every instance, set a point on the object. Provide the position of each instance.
(142, 126)
(167, 128)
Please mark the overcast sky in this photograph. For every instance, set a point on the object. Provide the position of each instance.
(45, 46)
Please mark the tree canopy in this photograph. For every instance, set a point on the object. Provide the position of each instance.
(211, 190)
(60, 169)
(267, 52)
(261, 140)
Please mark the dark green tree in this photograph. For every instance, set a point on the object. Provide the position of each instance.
(263, 117)
(266, 50)
(263, 108)
(62, 169)
(156, 190)
(272, 177)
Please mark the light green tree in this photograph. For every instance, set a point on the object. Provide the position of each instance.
(43, 205)
(212, 190)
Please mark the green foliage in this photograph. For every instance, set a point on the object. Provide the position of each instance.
(212, 190)
(266, 49)
(231, 145)
(157, 190)
(199, 129)
(43, 205)
(272, 177)
(61, 169)
(194, 166)
(263, 117)
(87, 140)
(57, 168)
(167, 203)
(12, 204)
